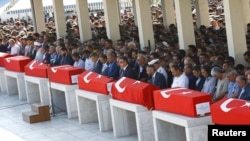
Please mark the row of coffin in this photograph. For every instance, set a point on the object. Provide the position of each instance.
(175, 100)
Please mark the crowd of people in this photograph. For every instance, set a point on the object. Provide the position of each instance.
(204, 66)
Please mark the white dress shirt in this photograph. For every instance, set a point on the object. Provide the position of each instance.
(180, 81)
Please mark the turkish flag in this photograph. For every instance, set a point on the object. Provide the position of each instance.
(95, 82)
(231, 111)
(64, 74)
(130, 90)
(183, 101)
(2, 58)
(35, 68)
(16, 63)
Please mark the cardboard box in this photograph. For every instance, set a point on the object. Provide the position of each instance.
(133, 91)
(183, 101)
(94, 82)
(231, 111)
(64, 74)
(16, 63)
(37, 69)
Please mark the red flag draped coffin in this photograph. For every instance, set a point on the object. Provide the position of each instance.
(94, 82)
(133, 91)
(35, 68)
(182, 101)
(2, 58)
(64, 74)
(16, 63)
(231, 111)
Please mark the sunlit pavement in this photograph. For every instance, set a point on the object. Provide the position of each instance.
(59, 128)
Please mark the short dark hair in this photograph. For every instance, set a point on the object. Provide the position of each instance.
(193, 48)
(231, 59)
(239, 67)
(75, 54)
(109, 41)
(197, 68)
(242, 77)
(86, 52)
(176, 66)
(247, 53)
(151, 66)
(36, 34)
(103, 56)
(64, 49)
(124, 58)
(207, 68)
(93, 54)
(113, 54)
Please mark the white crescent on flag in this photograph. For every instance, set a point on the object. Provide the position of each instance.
(54, 69)
(166, 95)
(8, 60)
(224, 107)
(86, 80)
(31, 67)
(117, 85)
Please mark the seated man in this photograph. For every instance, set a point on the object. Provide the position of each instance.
(66, 57)
(179, 77)
(222, 83)
(125, 69)
(200, 80)
(97, 63)
(244, 92)
(112, 70)
(233, 87)
(78, 62)
(156, 78)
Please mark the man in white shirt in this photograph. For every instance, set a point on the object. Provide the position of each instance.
(39, 55)
(78, 62)
(180, 79)
(89, 64)
(14, 47)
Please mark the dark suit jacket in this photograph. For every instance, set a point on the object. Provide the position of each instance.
(132, 62)
(57, 60)
(159, 80)
(3, 48)
(98, 67)
(128, 72)
(112, 70)
(245, 95)
(200, 84)
(141, 75)
(46, 60)
(192, 82)
(67, 60)
(8, 48)
(32, 53)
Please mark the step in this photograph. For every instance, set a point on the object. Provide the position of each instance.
(27, 115)
(36, 106)
(39, 112)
